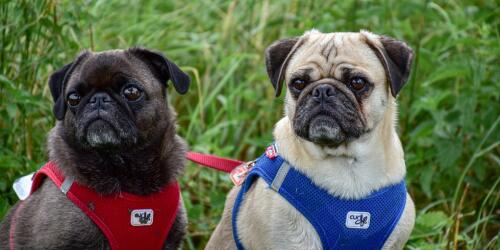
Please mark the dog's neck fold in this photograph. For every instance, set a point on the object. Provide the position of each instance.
(137, 171)
(371, 162)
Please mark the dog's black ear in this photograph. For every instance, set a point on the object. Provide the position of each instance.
(57, 90)
(57, 84)
(163, 68)
(397, 57)
(277, 56)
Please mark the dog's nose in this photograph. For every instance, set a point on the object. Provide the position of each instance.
(322, 92)
(100, 98)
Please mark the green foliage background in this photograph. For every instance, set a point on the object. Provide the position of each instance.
(449, 110)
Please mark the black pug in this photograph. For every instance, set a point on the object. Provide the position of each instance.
(115, 134)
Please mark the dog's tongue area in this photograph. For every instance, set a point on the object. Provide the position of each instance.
(101, 134)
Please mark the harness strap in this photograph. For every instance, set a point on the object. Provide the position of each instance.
(212, 161)
(13, 223)
(268, 176)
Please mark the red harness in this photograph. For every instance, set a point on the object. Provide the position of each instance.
(128, 221)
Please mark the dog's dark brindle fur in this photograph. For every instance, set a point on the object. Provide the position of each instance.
(113, 146)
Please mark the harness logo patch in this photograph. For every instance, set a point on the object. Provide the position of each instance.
(141, 217)
(358, 220)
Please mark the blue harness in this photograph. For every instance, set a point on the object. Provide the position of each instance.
(340, 223)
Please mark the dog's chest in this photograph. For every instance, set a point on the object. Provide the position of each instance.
(54, 222)
(273, 223)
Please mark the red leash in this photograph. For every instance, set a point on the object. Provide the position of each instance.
(212, 161)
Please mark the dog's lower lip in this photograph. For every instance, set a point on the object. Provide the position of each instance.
(327, 144)
(92, 121)
(97, 118)
(325, 131)
(322, 116)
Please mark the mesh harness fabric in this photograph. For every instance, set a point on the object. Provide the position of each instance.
(329, 215)
(112, 214)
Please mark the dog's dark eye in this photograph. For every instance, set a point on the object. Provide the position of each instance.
(357, 83)
(298, 83)
(74, 99)
(132, 93)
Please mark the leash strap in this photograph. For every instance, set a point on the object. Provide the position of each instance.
(212, 161)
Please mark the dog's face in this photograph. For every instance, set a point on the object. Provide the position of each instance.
(114, 100)
(339, 85)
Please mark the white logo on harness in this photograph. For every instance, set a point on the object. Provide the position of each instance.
(358, 220)
(141, 217)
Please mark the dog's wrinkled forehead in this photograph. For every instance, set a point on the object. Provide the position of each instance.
(325, 55)
(103, 69)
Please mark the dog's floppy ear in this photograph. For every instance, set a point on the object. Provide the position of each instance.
(163, 68)
(397, 57)
(57, 84)
(277, 56)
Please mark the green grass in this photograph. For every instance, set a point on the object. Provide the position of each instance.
(449, 110)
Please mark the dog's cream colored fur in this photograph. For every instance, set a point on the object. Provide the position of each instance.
(353, 170)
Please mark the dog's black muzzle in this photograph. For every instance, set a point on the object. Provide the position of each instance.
(328, 114)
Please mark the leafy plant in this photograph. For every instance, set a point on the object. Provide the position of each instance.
(449, 110)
